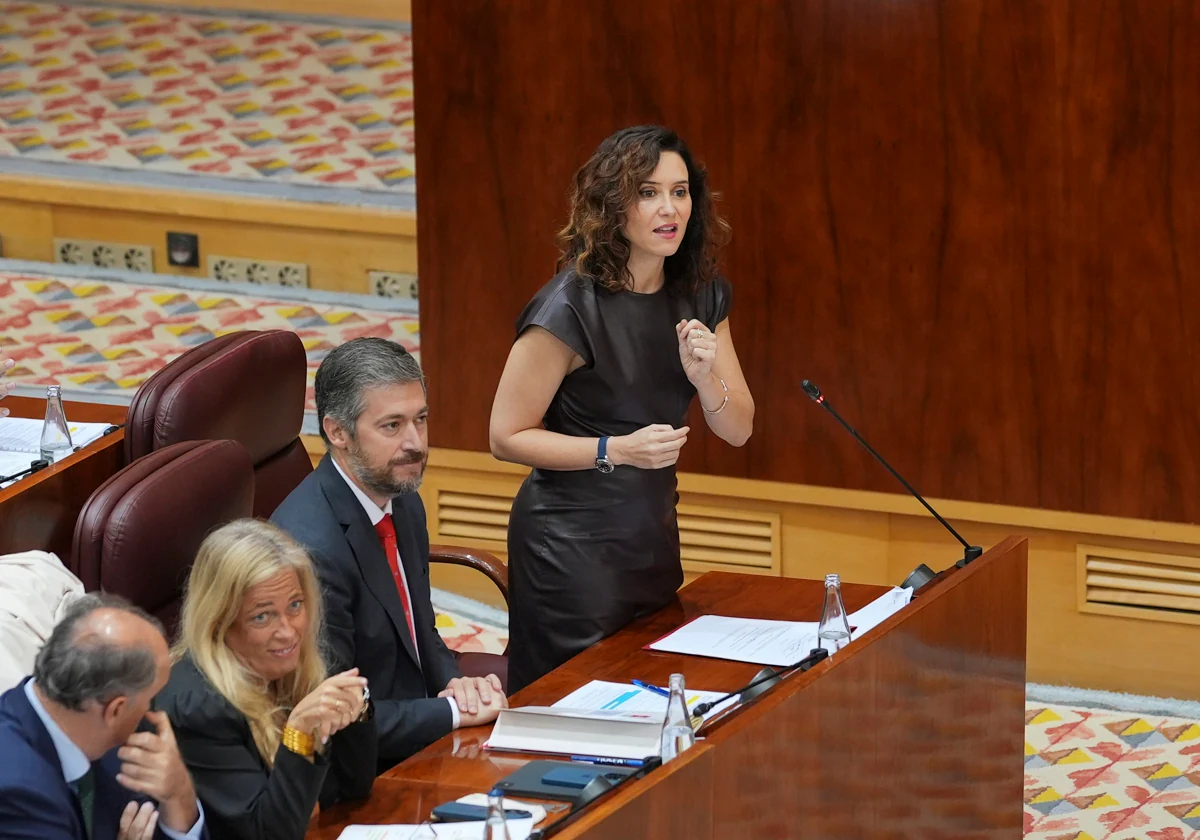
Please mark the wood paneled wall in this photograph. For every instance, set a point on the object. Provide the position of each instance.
(975, 224)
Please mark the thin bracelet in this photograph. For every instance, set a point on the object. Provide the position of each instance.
(724, 402)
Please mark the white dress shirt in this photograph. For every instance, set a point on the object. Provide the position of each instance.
(75, 764)
(376, 513)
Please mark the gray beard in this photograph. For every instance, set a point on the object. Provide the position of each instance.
(381, 481)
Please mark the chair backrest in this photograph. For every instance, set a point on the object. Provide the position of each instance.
(246, 386)
(138, 534)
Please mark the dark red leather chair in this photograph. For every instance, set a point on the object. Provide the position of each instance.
(474, 664)
(138, 534)
(246, 386)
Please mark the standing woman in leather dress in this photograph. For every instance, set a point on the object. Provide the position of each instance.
(595, 393)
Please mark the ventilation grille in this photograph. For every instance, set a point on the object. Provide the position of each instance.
(709, 536)
(474, 516)
(746, 539)
(1158, 586)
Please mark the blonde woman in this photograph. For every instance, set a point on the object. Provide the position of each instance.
(266, 734)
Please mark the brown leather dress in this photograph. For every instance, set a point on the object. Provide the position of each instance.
(590, 552)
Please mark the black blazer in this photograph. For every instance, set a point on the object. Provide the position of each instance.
(243, 799)
(364, 618)
(35, 800)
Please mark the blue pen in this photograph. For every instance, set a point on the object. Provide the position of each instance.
(619, 762)
(662, 692)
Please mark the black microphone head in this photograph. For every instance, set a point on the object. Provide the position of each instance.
(40, 464)
(811, 389)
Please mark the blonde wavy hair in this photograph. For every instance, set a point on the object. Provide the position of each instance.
(231, 560)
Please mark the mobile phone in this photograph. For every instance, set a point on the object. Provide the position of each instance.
(571, 777)
(461, 812)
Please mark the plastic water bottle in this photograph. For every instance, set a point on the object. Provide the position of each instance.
(496, 827)
(56, 436)
(834, 632)
(677, 734)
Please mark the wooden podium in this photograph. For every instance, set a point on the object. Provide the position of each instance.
(916, 730)
(39, 511)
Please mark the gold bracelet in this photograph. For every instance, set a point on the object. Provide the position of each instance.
(724, 402)
(298, 742)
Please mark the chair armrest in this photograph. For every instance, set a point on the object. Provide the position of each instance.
(476, 558)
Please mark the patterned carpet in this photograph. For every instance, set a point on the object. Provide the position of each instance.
(233, 98)
(1093, 774)
(108, 337)
(467, 626)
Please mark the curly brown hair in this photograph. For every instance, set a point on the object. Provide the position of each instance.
(607, 185)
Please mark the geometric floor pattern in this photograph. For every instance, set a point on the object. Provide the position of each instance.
(1093, 774)
(106, 336)
(466, 626)
(224, 97)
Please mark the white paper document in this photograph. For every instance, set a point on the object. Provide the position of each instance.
(517, 830)
(766, 642)
(24, 434)
(879, 610)
(12, 463)
(599, 695)
(758, 640)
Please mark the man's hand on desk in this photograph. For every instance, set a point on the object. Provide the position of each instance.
(479, 699)
(5, 366)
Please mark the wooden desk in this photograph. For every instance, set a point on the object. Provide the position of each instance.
(39, 511)
(915, 730)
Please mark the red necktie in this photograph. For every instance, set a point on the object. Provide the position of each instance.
(387, 534)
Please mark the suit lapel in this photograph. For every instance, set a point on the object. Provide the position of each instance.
(22, 710)
(368, 550)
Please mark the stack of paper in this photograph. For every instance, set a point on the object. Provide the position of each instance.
(766, 642)
(606, 733)
(623, 697)
(12, 463)
(599, 720)
(23, 434)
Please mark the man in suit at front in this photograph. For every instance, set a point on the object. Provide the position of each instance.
(360, 518)
(75, 766)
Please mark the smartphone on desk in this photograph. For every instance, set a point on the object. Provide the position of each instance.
(574, 777)
(460, 812)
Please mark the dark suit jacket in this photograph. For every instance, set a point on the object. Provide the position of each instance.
(35, 801)
(364, 618)
(243, 799)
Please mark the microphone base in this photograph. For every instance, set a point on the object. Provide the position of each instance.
(770, 678)
(969, 556)
(919, 577)
(923, 575)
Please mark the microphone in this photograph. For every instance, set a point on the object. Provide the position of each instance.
(921, 575)
(34, 466)
(763, 680)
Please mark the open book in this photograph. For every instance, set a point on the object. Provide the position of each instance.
(24, 434)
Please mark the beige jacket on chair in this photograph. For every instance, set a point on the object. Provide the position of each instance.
(35, 589)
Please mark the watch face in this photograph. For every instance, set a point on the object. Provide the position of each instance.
(604, 465)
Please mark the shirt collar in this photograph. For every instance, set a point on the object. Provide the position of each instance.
(75, 764)
(374, 512)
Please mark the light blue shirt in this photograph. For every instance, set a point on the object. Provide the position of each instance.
(75, 764)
